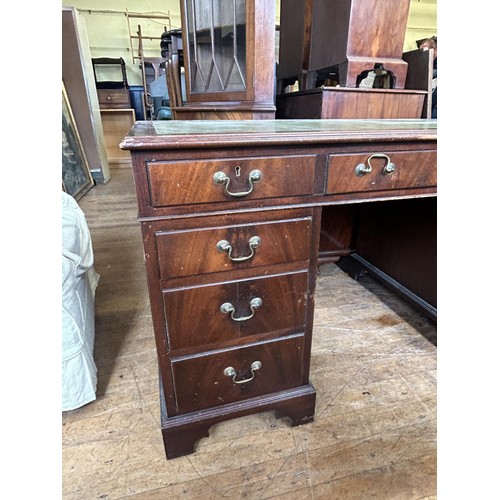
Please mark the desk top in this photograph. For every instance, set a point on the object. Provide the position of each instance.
(186, 134)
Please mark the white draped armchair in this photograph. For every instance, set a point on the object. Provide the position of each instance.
(79, 281)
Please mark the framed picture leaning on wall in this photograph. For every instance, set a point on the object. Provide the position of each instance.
(76, 176)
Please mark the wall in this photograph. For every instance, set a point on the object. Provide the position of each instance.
(422, 22)
(108, 29)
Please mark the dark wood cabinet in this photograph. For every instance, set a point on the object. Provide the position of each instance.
(229, 59)
(231, 214)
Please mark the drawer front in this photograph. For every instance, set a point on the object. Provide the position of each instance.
(187, 183)
(113, 98)
(200, 381)
(216, 249)
(230, 311)
(389, 170)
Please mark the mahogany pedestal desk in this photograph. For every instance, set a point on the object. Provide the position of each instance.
(230, 213)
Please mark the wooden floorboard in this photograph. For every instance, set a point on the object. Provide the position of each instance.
(374, 369)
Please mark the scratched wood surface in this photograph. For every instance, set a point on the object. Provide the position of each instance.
(373, 365)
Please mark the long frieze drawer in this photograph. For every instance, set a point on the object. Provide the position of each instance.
(223, 377)
(230, 311)
(378, 171)
(216, 249)
(216, 180)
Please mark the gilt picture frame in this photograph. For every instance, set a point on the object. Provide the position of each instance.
(76, 177)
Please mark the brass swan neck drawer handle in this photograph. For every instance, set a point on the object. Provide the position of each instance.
(231, 372)
(222, 179)
(363, 169)
(224, 246)
(227, 308)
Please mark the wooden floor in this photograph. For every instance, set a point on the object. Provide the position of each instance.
(374, 369)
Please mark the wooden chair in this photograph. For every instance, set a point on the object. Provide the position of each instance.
(174, 84)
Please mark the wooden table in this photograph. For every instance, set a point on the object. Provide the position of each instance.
(231, 214)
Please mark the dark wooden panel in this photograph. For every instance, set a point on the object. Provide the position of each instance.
(419, 75)
(400, 238)
(300, 105)
(336, 237)
(292, 32)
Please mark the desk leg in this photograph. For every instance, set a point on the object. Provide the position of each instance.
(181, 433)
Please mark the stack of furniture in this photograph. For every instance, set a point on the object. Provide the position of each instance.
(345, 39)
(229, 60)
(350, 36)
(117, 113)
(151, 67)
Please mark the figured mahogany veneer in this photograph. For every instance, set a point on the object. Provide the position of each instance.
(413, 169)
(186, 182)
(204, 384)
(188, 252)
(195, 318)
(233, 319)
(353, 35)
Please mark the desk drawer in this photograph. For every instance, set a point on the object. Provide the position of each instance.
(227, 248)
(114, 98)
(231, 311)
(200, 381)
(192, 182)
(380, 171)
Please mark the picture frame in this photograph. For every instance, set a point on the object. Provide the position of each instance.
(76, 177)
